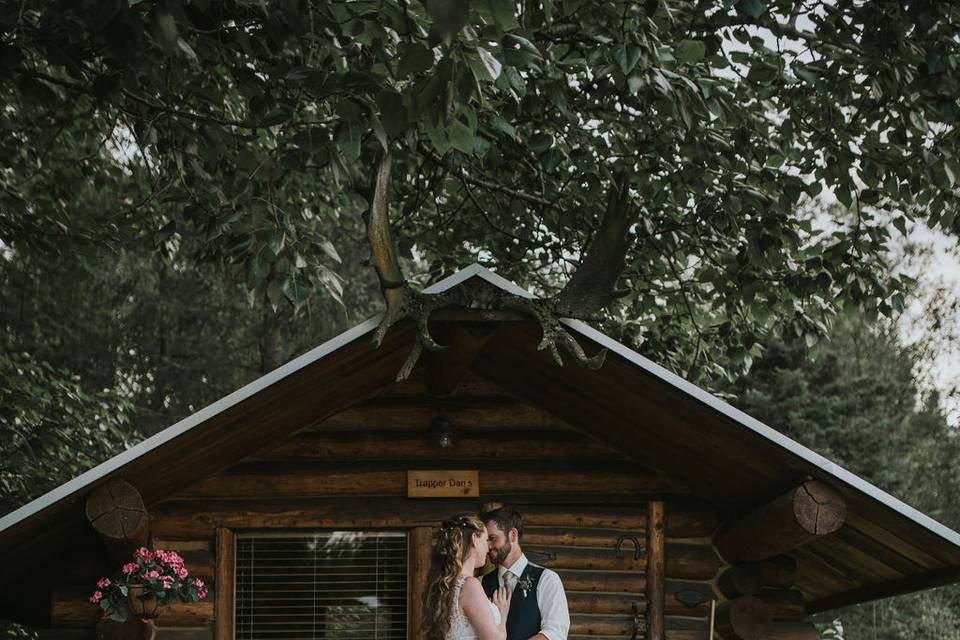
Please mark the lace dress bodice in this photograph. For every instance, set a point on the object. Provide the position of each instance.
(460, 627)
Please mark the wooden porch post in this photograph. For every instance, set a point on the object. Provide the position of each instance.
(419, 542)
(656, 564)
(224, 603)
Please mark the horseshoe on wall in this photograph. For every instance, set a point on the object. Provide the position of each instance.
(624, 538)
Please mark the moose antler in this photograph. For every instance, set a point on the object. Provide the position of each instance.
(593, 285)
(589, 290)
(401, 300)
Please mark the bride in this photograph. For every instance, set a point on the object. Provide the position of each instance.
(455, 606)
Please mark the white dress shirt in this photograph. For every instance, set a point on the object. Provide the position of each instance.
(551, 599)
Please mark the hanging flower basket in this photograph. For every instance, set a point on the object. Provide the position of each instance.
(143, 601)
(154, 579)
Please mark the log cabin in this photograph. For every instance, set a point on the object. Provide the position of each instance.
(308, 498)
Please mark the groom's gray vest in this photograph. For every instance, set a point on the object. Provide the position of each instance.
(523, 619)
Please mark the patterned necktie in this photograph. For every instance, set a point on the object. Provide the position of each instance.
(509, 581)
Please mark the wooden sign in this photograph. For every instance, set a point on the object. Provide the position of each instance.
(443, 484)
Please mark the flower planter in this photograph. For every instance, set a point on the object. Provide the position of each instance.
(152, 579)
(143, 601)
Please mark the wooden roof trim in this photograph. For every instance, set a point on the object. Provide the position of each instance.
(84, 480)
(830, 468)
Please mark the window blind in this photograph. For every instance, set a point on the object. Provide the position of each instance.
(330, 585)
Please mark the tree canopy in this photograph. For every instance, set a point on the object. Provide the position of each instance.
(246, 133)
(184, 185)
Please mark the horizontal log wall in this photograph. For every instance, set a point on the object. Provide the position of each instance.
(577, 495)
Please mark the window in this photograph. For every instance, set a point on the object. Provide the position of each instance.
(330, 585)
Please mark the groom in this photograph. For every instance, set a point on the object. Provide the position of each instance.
(538, 608)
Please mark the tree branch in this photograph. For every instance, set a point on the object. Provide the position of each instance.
(486, 184)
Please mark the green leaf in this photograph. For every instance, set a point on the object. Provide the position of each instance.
(164, 28)
(275, 242)
(186, 49)
(752, 8)
(763, 73)
(347, 138)
(278, 115)
(512, 40)
(627, 58)
(437, 135)
(449, 16)
(807, 76)
(460, 135)
(306, 75)
(414, 58)
(504, 13)
(690, 51)
(490, 63)
(392, 112)
(275, 294)
(540, 142)
(501, 125)
(327, 247)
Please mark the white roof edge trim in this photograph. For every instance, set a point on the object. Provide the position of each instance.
(107, 467)
(476, 270)
(765, 431)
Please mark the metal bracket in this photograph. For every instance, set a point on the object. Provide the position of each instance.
(691, 597)
(624, 538)
(639, 624)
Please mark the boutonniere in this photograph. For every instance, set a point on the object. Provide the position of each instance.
(525, 584)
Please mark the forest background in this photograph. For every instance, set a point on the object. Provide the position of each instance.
(182, 200)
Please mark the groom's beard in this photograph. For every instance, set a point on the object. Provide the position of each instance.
(502, 553)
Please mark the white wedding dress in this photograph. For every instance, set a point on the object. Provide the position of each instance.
(460, 627)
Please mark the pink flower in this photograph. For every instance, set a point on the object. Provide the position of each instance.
(103, 583)
(182, 573)
(151, 574)
(202, 594)
(144, 553)
(129, 568)
(198, 583)
(96, 597)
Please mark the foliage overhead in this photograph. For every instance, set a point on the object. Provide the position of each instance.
(253, 126)
(52, 429)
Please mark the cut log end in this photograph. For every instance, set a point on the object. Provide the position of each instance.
(746, 618)
(804, 513)
(117, 513)
(820, 509)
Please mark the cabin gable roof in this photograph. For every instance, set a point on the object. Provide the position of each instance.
(652, 415)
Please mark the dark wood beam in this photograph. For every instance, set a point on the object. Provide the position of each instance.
(70, 608)
(805, 513)
(420, 544)
(928, 580)
(749, 578)
(445, 370)
(786, 604)
(656, 569)
(793, 631)
(226, 565)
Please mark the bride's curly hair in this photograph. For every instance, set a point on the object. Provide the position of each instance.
(453, 543)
